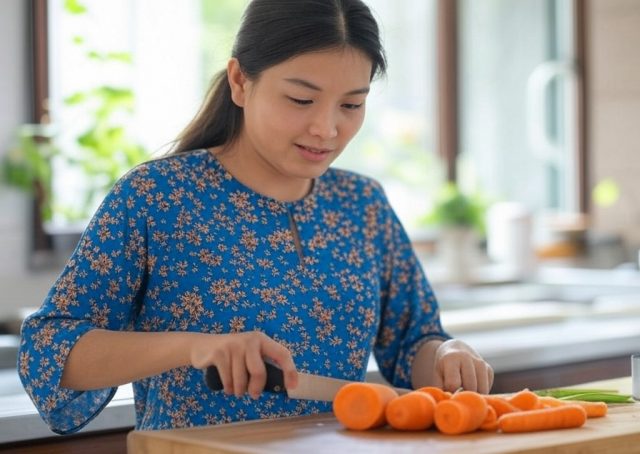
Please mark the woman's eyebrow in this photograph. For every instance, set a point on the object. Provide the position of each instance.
(311, 86)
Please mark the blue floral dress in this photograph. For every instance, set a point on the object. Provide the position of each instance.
(180, 245)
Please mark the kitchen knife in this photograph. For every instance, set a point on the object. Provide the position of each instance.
(310, 386)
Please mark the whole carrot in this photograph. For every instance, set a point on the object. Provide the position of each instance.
(464, 412)
(564, 417)
(361, 406)
(525, 400)
(438, 394)
(411, 411)
(593, 409)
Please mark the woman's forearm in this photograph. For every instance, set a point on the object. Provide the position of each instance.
(102, 358)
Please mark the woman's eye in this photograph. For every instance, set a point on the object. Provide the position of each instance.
(302, 102)
(352, 106)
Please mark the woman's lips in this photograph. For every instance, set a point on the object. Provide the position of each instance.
(314, 154)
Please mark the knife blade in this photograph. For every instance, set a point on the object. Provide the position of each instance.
(310, 386)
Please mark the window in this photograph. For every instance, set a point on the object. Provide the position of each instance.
(397, 144)
(518, 97)
(165, 53)
(127, 75)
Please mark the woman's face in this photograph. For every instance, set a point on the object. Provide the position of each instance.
(300, 114)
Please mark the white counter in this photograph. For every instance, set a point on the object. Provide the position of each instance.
(547, 343)
(20, 421)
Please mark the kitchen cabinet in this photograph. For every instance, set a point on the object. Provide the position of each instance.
(109, 442)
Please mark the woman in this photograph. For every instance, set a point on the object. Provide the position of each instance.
(244, 245)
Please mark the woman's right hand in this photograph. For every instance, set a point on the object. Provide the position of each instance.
(239, 358)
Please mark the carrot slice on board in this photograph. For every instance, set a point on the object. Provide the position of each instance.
(464, 412)
(525, 400)
(500, 404)
(361, 406)
(411, 411)
(490, 422)
(563, 417)
(437, 393)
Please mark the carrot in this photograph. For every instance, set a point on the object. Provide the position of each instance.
(437, 393)
(464, 412)
(564, 417)
(500, 404)
(411, 411)
(490, 422)
(593, 409)
(548, 401)
(361, 406)
(525, 400)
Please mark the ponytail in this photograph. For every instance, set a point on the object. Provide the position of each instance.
(218, 122)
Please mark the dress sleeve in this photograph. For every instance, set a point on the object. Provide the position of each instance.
(98, 288)
(410, 315)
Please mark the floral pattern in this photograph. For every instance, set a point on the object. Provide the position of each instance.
(180, 245)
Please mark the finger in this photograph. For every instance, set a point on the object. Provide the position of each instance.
(437, 375)
(438, 380)
(490, 377)
(282, 357)
(257, 373)
(451, 374)
(223, 365)
(239, 373)
(468, 374)
(482, 374)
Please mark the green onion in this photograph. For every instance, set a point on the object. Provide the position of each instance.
(609, 396)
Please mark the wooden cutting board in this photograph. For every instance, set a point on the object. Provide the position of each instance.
(619, 431)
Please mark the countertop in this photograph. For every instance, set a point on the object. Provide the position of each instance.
(618, 431)
(511, 335)
(20, 421)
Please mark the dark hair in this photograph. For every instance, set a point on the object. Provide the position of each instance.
(271, 32)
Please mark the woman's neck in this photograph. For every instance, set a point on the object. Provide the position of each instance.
(257, 174)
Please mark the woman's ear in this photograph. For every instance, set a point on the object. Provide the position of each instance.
(237, 82)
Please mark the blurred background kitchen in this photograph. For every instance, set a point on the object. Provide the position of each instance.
(507, 136)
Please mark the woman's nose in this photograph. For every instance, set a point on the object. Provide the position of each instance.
(324, 124)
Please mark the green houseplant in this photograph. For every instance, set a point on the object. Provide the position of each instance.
(460, 220)
(27, 165)
(105, 148)
(455, 209)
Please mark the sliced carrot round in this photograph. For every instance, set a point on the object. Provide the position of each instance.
(464, 412)
(411, 411)
(361, 406)
(437, 393)
(525, 400)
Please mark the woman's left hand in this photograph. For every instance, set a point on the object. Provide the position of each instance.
(452, 365)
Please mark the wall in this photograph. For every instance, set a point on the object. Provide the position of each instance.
(614, 91)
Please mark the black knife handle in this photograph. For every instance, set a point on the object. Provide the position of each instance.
(275, 378)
